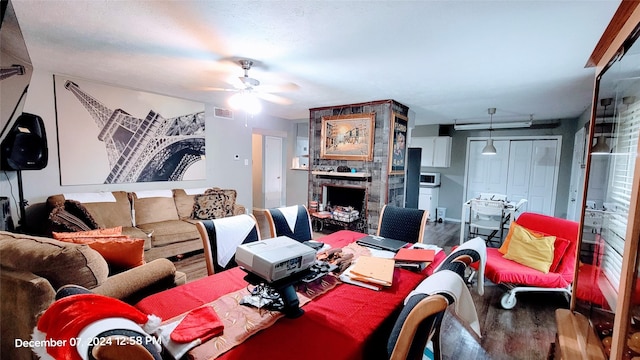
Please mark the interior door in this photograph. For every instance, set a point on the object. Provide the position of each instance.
(544, 168)
(272, 172)
(486, 173)
(519, 173)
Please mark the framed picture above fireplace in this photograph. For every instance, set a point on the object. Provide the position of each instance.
(397, 144)
(347, 137)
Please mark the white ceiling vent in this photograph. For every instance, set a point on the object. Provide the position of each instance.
(223, 113)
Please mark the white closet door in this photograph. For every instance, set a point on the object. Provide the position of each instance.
(542, 190)
(487, 173)
(519, 173)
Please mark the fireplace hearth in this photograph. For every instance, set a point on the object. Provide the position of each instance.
(344, 196)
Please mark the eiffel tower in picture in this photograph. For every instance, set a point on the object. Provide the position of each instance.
(149, 149)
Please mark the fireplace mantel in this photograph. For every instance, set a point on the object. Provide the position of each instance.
(336, 174)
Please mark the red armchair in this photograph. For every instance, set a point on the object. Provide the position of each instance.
(520, 278)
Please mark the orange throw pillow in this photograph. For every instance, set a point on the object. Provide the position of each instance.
(89, 233)
(119, 251)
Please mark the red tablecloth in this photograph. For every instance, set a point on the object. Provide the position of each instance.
(348, 322)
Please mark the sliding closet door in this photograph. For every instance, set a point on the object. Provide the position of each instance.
(522, 169)
(519, 174)
(544, 173)
(487, 173)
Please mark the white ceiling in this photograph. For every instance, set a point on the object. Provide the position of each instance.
(446, 60)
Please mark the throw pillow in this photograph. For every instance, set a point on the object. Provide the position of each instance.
(559, 249)
(507, 240)
(71, 216)
(120, 251)
(89, 233)
(527, 249)
(214, 204)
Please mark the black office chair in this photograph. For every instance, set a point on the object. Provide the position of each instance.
(279, 224)
(404, 224)
(220, 238)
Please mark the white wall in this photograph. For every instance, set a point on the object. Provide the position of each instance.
(225, 139)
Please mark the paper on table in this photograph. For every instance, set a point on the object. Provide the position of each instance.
(374, 269)
(346, 277)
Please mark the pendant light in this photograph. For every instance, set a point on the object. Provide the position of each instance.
(489, 149)
(601, 146)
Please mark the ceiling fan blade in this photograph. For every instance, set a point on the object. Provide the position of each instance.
(277, 99)
(212, 88)
(287, 87)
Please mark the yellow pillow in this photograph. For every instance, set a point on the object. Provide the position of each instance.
(507, 240)
(529, 250)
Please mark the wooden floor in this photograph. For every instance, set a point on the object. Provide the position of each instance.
(522, 333)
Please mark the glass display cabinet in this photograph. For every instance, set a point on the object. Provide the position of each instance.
(604, 317)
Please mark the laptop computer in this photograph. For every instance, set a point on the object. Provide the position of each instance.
(381, 243)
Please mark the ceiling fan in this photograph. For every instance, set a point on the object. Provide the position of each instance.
(248, 89)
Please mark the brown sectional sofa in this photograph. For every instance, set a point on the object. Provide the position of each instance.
(33, 268)
(164, 218)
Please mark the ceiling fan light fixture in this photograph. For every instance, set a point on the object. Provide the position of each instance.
(246, 101)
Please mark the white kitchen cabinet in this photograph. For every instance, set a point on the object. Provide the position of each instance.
(436, 150)
(428, 200)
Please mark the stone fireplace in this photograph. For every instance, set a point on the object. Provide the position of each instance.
(370, 185)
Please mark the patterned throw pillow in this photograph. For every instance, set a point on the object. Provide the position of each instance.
(71, 216)
(214, 204)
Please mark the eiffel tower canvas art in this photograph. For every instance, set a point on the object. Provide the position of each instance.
(113, 135)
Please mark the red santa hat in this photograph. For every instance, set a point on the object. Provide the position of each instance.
(59, 328)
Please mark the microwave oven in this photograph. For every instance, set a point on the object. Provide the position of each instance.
(430, 179)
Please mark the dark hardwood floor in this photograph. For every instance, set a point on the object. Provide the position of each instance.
(522, 333)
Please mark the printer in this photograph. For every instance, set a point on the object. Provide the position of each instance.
(275, 259)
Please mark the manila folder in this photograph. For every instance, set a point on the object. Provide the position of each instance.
(374, 269)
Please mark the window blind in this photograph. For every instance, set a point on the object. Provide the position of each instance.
(621, 168)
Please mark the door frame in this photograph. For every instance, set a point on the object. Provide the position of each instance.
(258, 156)
(267, 166)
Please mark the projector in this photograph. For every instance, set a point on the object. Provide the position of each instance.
(275, 259)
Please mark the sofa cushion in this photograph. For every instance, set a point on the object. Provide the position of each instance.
(59, 262)
(120, 251)
(136, 233)
(215, 203)
(170, 232)
(111, 214)
(154, 206)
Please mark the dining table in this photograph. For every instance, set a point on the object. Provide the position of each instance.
(344, 322)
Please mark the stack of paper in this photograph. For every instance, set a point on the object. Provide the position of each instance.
(414, 259)
(370, 272)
